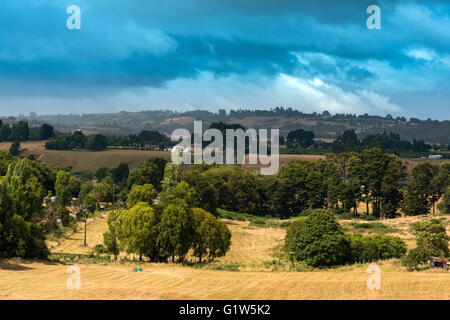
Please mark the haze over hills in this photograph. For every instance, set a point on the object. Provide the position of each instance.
(325, 125)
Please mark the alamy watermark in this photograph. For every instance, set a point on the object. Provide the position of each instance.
(74, 20)
(374, 280)
(235, 153)
(73, 282)
(374, 20)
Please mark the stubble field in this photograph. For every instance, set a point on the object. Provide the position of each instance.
(257, 277)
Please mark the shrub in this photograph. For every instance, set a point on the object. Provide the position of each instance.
(432, 237)
(415, 259)
(100, 249)
(258, 221)
(377, 227)
(15, 148)
(285, 224)
(292, 233)
(372, 248)
(366, 217)
(319, 241)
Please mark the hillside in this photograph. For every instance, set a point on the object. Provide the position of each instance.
(324, 125)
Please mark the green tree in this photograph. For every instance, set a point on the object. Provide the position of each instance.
(102, 173)
(138, 231)
(46, 131)
(20, 131)
(145, 193)
(205, 193)
(66, 187)
(5, 132)
(421, 194)
(120, 174)
(391, 196)
(90, 203)
(173, 174)
(24, 189)
(432, 237)
(5, 160)
(444, 206)
(212, 238)
(86, 187)
(145, 173)
(416, 202)
(383, 173)
(110, 236)
(96, 142)
(320, 241)
(182, 191)
(15, 148)
(106, 190)
(161, 165)
(440, 183)
(18, 238)
(241, 187)
(293, 191)
(300, 138)
(176, 230)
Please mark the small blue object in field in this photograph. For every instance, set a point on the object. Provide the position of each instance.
(137, 269)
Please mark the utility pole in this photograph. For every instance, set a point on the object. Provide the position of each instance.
(85, 225)
(114, 207)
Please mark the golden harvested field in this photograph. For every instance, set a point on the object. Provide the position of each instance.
(251, 247)
(85, 161)
(91, 161)
(47, 281)
(30, 145)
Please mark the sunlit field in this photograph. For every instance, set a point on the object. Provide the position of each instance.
(248, 271)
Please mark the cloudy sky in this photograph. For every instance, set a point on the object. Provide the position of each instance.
(210, 54)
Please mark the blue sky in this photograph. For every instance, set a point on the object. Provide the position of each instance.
(211, 54)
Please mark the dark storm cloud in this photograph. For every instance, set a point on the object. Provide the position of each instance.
(131, 44)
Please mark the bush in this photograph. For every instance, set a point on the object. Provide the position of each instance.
(432, 237)
(372, 248)
(319, 241)
(292, 233)
(285, 224)
(258, 221)
(15, 148)
(374, 227)
(415, 259)
(100, 249)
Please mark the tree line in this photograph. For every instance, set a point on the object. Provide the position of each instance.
(97, 142)
(35, 198)
(348, 141)
(20, 131)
